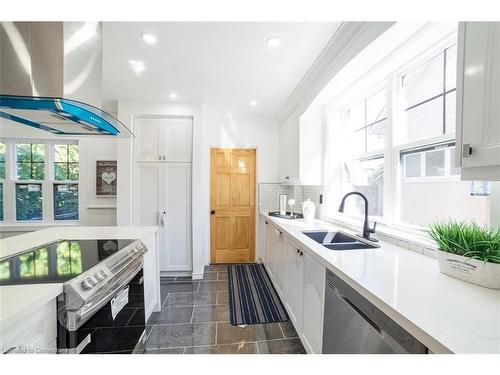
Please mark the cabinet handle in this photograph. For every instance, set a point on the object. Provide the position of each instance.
(466, 150)
(266, 222)
(298, 251)
(280, 232)
(301, 253)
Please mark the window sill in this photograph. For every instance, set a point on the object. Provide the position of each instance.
(31, 226)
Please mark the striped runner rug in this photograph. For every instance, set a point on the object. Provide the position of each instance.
(252, 297)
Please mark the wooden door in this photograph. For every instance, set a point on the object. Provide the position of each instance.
(232, 200)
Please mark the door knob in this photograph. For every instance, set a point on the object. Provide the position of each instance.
(212, 212)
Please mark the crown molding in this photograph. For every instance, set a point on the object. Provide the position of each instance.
(349, 39)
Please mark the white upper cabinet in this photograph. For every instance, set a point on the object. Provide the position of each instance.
(289, 150)
(301, 149)
(478, 98)
(160, 139)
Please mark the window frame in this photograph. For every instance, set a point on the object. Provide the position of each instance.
(10, 181)
(392, 152)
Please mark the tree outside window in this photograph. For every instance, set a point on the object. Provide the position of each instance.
(66, 159)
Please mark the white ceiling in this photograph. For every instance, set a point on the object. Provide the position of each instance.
(220, 63)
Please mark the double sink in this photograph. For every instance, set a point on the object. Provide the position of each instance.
(337, 240)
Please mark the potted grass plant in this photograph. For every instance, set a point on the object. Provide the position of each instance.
(468, 252)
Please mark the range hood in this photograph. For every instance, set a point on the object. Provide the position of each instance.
(51, 78)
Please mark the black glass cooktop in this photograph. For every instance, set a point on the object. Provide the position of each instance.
(57, 262)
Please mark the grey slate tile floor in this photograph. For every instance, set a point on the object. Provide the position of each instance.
(195, 320)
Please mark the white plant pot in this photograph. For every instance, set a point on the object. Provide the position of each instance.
(474, 271)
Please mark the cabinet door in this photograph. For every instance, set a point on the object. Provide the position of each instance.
(147, 199)
(152, 297)
(478, 94)
(270, 238)
(313, 304)
(289, 150)
(147, 140)
(176, 205)
(292, 284)
(176, 140)
(261, 243)
(279, 260)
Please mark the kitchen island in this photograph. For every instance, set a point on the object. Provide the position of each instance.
(27, 312)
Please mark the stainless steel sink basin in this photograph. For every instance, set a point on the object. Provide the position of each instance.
(336, 240)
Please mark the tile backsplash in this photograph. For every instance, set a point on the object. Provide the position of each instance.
(268, 197)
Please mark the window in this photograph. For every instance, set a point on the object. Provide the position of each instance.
(368, 121)
(429, 96)
(30, 160)
(364, 172)
(391, 137)
(65, 201)
(2, 161)
(39, 182)
(367, 177)
(29, 202)
(66, 162)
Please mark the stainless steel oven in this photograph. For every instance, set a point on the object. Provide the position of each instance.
(102, 309)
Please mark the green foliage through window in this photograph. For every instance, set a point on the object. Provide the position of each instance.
(29, 202)
(2, 161)
(65, 201)
(30, 160)
(66, 159)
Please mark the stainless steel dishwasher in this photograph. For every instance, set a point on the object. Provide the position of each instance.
(353, 325)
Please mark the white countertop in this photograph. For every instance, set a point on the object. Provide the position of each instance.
(17, 301)
(446, 314)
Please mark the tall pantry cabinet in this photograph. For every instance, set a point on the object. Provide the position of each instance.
(162, 179)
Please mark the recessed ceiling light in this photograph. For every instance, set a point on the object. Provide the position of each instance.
(149, 38)
(173, 95)
(253, 103)
(273, 42)
(137, 66)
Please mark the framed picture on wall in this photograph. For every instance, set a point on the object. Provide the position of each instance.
(106, 177)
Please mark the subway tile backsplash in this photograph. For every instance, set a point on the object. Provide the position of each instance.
(268, 196)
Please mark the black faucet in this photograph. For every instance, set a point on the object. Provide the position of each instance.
(366, 228)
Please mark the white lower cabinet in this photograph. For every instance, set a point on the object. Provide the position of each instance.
(163, 198)
(293, 279)
(313, 301)
(300, 282)
(152, 296)
(36, 333)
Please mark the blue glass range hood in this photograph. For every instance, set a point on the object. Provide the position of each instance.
(60, 116)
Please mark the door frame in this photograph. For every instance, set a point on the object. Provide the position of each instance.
(254, 241)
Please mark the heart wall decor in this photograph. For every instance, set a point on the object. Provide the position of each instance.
(108, 177)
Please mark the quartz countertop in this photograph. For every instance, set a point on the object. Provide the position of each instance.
(19, 300)
(446, 314)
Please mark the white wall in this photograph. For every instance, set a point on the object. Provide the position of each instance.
(212, 127)
(223, 129)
